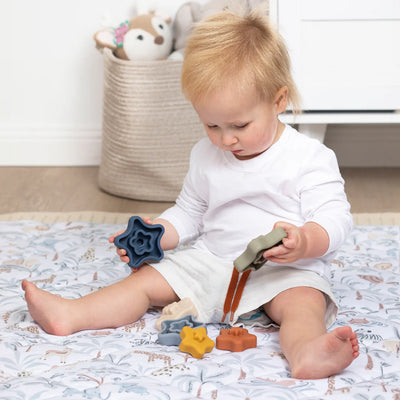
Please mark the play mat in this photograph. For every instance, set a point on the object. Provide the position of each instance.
(74, 258)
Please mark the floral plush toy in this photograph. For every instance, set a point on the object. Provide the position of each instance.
(145, 37)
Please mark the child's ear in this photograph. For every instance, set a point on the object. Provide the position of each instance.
(280, 100)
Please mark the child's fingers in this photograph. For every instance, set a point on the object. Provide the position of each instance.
(280, 255)
(291, 240)
(275, 252)
(281, 260)
(121, 252)
(111, 238)
(124, 259)
(147, 220)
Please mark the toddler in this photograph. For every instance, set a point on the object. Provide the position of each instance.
(250, 174)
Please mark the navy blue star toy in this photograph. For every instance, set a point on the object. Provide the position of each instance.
(141, 242)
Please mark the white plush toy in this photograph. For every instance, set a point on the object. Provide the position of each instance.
(192, 11)
(144, 37)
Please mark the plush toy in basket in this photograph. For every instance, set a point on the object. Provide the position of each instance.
(145, 37)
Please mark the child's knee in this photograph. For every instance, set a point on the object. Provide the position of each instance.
(155, 286)
(294, 301)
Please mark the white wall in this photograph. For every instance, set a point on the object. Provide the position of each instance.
(51, 78)
(51, 85)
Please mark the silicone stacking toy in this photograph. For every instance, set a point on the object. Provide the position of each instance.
(171, 329)
(141, 242)
(176, 310)
(235, 339)
(195, 341)
(252, 257)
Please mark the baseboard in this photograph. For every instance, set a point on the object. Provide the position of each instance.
(367, 145)
(50, 146)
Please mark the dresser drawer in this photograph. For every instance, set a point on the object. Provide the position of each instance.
(345, 54)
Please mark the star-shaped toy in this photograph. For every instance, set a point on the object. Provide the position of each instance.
(171, 329)
(236, 339)
(176, 310)
(252, 258)
(141, 242)
(195, 341)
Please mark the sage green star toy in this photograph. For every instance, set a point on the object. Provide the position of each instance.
(252, 258)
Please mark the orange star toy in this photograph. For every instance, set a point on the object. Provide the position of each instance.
(236, 339)
(195, 341)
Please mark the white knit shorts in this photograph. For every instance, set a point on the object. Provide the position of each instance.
(204, 278)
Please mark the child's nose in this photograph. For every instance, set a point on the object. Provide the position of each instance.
(228, 139)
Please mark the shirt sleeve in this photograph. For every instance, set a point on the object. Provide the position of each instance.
(323, 199)
(187, 214)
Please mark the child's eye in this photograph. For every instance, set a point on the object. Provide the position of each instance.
(212, 126)
(242, 126)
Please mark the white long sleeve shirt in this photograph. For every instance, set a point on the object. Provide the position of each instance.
(226, 202)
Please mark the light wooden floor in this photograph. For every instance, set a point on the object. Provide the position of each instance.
(75, 189)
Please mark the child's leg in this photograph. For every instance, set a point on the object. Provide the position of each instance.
(113, 306)
(312, 353)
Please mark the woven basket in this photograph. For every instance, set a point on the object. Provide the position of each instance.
(148, 129)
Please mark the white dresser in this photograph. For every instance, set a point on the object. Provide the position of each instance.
(346, 60)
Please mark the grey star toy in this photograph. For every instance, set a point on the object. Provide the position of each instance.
(252, 257)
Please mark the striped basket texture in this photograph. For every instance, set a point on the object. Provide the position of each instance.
(148, 129)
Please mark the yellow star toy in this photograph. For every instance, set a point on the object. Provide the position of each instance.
(195, 341)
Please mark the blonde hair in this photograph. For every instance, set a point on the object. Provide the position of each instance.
(228, 48)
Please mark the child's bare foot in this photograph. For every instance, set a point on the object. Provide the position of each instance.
(326, 355)
(48, 310)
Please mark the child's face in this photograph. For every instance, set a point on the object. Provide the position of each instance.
(242, 124)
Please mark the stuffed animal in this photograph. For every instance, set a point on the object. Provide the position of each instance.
(145, 37)
(192, 11)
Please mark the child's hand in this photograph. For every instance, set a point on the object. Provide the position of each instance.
(147, 220)
(293, 248)
(308, 241)
(121, 252)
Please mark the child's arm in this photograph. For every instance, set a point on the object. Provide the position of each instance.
(170, 238)
(308, 241)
